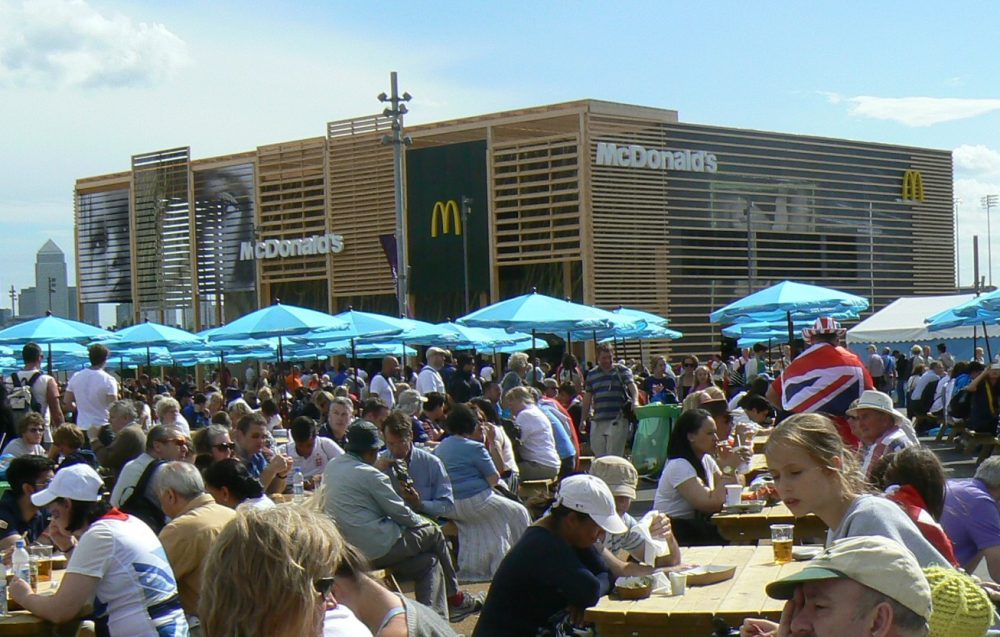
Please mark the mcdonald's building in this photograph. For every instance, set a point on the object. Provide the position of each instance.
(605, 203)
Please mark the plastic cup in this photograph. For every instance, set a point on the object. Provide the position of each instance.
(734, 494)
(44, 556)
(782, 536)
(678, 583)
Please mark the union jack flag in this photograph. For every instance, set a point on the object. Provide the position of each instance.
(823, 378)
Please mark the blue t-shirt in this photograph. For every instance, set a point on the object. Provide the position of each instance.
(256, 464)
(468, 464)
(564, 443)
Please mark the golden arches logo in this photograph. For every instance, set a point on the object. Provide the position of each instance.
(447, 211)
(913, 185)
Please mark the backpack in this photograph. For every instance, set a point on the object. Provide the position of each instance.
(960, 406)
(20, 399)
(138, 505)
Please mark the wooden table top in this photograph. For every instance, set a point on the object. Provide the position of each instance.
(758, 465)
(747, 528)
(691, 614)
(759, 441)
(21, 623)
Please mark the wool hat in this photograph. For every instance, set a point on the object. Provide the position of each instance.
(961, 606)
(879, 563)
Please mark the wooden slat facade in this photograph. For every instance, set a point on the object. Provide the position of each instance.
(674, 242)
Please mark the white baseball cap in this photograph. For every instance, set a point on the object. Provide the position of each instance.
(589, 494)
(75, 482)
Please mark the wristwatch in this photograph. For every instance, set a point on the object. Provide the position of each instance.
(729, 472)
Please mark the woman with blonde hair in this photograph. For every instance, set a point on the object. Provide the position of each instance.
(815, 473)
(272, 574)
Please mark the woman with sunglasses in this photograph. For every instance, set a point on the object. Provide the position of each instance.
(686, 380)
(112, 566)
(212, 444)
(273, 576)
(31, 428)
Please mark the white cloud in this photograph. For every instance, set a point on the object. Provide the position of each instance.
(978, 160)
(915, 111)
(46, 43)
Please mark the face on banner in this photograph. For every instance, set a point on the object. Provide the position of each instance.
(104, 248)
(225, 210)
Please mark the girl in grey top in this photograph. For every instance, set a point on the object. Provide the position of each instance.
(814, 473)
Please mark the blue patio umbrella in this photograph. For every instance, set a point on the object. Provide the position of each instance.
(647, 333)
(458, 336)
(49, 330)
(277, 321)
(641, 315)
(968, 314)
(794, 300)
(149, 335)
(984, 305)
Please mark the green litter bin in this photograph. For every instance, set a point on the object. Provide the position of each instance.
(649, 449)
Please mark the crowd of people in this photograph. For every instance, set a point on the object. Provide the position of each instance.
(183, 507)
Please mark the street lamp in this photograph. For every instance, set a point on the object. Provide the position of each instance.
(52, 289)
(395, 112)
(988, 201)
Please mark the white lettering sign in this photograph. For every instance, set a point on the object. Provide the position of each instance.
(272, 248)
(635, 156)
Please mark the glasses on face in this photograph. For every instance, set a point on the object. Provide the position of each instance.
(180, 442)
(225, 446)
(324, 585)
(689, 365)
(43, 484)
(36, 430)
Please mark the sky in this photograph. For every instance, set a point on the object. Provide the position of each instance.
(84, 85)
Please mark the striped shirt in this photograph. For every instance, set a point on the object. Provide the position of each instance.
(608, 391)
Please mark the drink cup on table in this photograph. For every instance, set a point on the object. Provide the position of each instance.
(678, 583)
(44, 556)
(782, 536)
(734, 494)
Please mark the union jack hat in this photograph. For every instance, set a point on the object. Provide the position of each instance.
(823, 325)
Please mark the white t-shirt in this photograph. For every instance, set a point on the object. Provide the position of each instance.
(18, 447)
(324, 451)
(274, 422)
(678, 471)
(487, 372)
(129, 478)
(263, 502)
(537, 441)
(384, 388)
(134, 574)
(429, 380)
(341, 622)
(94, 390)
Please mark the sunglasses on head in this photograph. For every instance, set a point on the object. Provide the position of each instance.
(323, 585)
(225, 446)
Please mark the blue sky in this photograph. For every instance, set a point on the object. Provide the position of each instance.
(86, 84)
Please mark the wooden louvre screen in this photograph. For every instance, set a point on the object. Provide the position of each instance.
(362, 205)
(291, 188)
(162, 230)
(536, 200)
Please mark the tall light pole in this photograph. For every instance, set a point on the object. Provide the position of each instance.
(52, 289)
(395, 111)
(958, 259)
(988, 201)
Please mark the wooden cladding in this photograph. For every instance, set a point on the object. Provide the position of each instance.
(536, 200)
(291, 196)
(361, 206)
(162, 234)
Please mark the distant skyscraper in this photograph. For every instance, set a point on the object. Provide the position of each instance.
(51, 290)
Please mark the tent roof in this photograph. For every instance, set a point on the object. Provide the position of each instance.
(902, 321)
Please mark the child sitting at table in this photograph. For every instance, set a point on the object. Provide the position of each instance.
(815, 473)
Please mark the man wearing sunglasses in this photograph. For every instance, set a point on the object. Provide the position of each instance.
(134, 492)
(20, 519)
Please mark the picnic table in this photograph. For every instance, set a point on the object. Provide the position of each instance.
(748, 528)
(759, 442)
(21, 623)
(758, 465)
(691, 614)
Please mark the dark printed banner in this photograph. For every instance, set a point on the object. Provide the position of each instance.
(105, 265)
(224, 214)
(436, 180)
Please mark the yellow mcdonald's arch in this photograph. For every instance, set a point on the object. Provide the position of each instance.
(447, 211)
(913, 185)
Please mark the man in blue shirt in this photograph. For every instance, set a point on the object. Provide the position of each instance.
(418, 476)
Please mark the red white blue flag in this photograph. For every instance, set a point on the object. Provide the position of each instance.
(824, 378)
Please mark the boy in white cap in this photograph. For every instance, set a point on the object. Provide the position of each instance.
(555, 571)
(860, 586)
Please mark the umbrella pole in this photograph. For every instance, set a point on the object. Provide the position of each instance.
(791, 336)
(986, 337)
(354, 366)
(50, 359)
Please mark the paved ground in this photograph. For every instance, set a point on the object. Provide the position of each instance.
(957, 464)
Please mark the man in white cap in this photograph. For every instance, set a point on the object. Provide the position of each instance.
(555, 572)
(859, 586)
(881, 428)
(824, 378)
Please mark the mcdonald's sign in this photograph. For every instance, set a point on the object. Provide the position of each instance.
(913, 185)
(447, 211)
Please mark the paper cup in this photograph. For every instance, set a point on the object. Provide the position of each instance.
(734, 494)
(678, 583)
